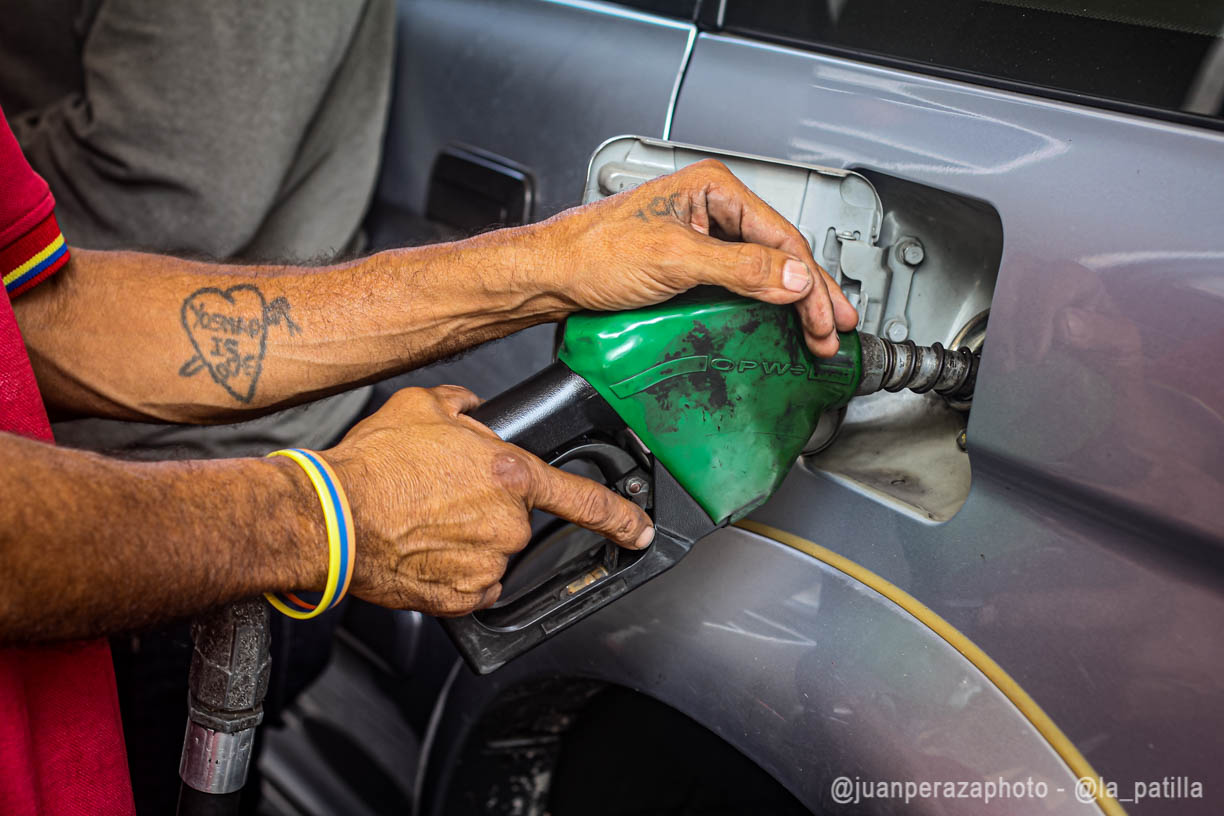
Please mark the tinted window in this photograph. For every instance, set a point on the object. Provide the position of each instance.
(1157, 53)
(668, 8)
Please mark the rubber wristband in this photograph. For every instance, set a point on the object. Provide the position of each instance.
(340, 538)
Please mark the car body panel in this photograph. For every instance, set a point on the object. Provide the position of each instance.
(537, 83)
(540, 83)
(1086, 560)
(801, 667)
(1111, 263)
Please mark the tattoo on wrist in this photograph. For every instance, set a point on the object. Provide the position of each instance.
(229, 331)
(662, 207)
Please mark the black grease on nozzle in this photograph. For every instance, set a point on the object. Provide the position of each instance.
(889, 366)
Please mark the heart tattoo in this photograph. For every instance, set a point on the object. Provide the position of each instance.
(229, 331)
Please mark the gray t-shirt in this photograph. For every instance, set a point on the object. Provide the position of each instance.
(226, 129)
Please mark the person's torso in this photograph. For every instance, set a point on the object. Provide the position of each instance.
(315, 215)
(328, 183)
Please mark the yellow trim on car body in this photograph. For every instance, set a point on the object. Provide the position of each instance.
(1027, 706)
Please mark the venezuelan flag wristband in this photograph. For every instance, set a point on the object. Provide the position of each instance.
(340, 537)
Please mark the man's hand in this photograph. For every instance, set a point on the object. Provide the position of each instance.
(698, 225)
(440, 503)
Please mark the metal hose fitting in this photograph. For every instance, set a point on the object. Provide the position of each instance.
(891, 366)
(227, 682)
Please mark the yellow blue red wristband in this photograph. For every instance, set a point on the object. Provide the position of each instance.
(340, 538)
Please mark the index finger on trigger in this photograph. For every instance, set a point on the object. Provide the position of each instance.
(590, 505)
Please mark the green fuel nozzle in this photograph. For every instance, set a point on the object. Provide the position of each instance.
(723, 390)
(695, 409)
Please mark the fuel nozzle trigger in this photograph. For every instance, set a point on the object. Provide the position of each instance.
(558, 416)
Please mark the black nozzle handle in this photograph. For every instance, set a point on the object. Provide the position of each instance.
(546, 412)
(559, 416)
(489, 639)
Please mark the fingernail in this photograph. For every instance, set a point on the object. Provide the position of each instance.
(643, 541)
(795, 276)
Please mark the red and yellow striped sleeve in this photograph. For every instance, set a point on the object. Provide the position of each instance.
(31, 246)
(34, 256)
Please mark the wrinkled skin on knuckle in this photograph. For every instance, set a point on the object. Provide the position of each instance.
(480, 573)
(824, 346)
(517, 534)
(703, 187)
(595, 506)
(710, 169)
(409, 400)
(437, 581)
(500, 529)
(492, 569)
(456, 604)
(511, 471)
(671, 252)
(753, 266)
(629, 523)
(427, 598)
(614, 516)
(819, 320)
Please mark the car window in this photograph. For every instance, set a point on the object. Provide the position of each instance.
(668, 8)
(1161, 54)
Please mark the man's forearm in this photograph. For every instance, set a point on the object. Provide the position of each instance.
(90, 545)
(137, 336)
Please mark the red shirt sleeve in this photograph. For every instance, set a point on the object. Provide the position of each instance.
(31, 246)
(61, 738)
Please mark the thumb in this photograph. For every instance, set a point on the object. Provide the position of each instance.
(457, 399)
(775, 276)
(752, 270)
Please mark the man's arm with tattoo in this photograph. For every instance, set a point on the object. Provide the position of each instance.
(138, 336)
